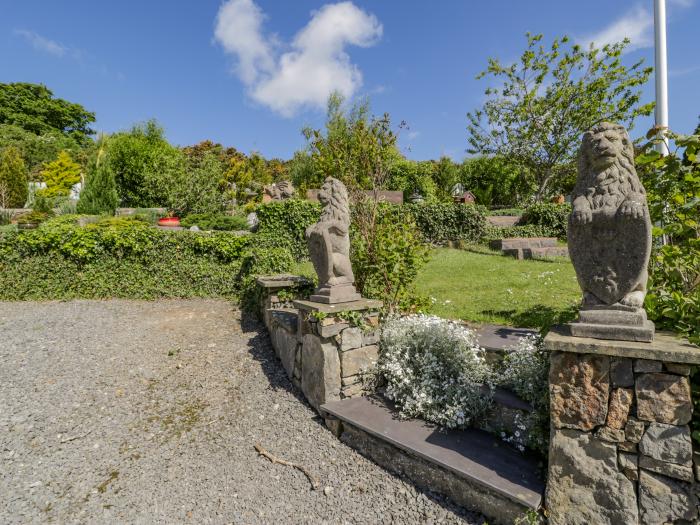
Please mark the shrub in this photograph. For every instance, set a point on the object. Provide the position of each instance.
(99, 196)
(443, 222)
(13, 179)
(284, 224)
(530, 230)
(387, 251)
(552, 218)
(33, 217)
(215, 221)
(434, 369)
(60, 175)
(196, 188)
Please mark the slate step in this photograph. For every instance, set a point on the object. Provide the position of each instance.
(472, 467)
(510, 243)
(503, 221)
(496, 338)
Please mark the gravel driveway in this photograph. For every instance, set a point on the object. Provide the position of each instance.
(148, 412)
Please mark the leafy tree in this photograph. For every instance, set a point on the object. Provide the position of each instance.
(39, 149)
(144, 164)
(100, 192)
(33, 107)
(445, 175)
(494, 180)
(355, 148)
(412, 177)
(60, 175)
(547, 99)
(196, 189)
(300, 170)
(13, 179)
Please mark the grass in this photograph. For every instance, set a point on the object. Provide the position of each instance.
(484, 286)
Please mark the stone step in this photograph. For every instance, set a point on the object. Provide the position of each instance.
(471, 467)
(496, 338)
(503, 221)
(547, 252)
(511, 243)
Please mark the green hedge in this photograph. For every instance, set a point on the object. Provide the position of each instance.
(552, 219)
(283, 225)
(443, 222)
(119, 257)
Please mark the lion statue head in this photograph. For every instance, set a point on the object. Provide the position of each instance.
(335, 200)
(606, 173)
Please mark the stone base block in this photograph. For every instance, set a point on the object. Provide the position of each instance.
(342, 293)
(614, 332)
(613, 317)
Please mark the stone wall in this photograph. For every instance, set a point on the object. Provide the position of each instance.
(323, 350)
(620, 449)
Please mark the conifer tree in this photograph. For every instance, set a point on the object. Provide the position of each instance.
(13, 179)
(60, 175)
(100, 192)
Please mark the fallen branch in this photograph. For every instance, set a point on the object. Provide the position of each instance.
(76, 437)
(314, 482)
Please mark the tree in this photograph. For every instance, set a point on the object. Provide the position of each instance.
(34, 108)
(144, 165)
(60, 175)
(445, 175)
(100, 192)
(494, 181)
(13, 179)
(547, 99)
(196, 189)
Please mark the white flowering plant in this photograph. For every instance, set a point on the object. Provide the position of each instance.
(434, 369)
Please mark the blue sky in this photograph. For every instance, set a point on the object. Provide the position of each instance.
(252, 73)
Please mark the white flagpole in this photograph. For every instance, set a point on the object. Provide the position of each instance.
(661, 71)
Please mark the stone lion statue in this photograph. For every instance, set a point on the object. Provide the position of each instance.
(609, 227)
(279, 191)
(329, 245)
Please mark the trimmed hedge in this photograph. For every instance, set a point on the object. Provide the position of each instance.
(552, 219)
(283, 225)
(443, 222)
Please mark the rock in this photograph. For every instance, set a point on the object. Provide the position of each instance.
(667, 469)
(613, 435)
(634, 429)
(662, 500)
(578, 385)
(621, 374)
(329, 330)
(619, 408)
(350, 338)
(584, 484)
(252, 220)
(351, 380)
(320, 371)
(646, 366)
(334, 425)
(355, 361)
(352, 390)
(628, 465)
(667, 443)
(628, 446)
(664, 398)
(678, 368)
(370, 338)
(194, 228)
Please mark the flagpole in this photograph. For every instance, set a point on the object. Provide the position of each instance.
(661, 73)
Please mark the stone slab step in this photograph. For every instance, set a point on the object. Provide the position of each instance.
(494, 337)
(471, 467)
(503, 221)
(511, 243)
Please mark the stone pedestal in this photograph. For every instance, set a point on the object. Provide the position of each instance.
(613, 322)
(335, 348)
(277, 292)
(620, 447)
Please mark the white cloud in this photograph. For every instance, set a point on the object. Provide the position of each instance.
(41, 43)
(637, 25)
(315, 64)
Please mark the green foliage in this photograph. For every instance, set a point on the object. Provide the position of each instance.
(60, 176)
(387, 252)
(412, 177)
(145, 165)
(34, 108)
(552, 217)
(494, 181)
(196, 188)
(13, 179)
(355, 148)
(33, 217)
(547, 99)
(36, 150)
(528, 230)
(442, 222)
(215, 221)
(284, 223)
(99, 196)
(673, 193)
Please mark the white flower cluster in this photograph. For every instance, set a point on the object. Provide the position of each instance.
(434, 369)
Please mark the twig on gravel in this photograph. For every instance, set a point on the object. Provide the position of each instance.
(77, 437)
(314, 482)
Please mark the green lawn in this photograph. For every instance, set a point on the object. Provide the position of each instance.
(485, 287)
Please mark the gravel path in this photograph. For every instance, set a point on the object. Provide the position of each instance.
(148, 412)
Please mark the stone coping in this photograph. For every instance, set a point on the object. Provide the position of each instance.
(282, 280)
(362, 304)
(665, 347)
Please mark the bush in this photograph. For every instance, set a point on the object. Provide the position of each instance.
(215, 221)
(387, 252)
(99, 196)
(531, 230)
(284, 224)
(552, 218)
(443, 222)
(13, 179)
(196, 188)
(434, 369)
(60, 175)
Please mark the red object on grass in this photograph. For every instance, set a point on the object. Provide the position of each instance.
(169, 221)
